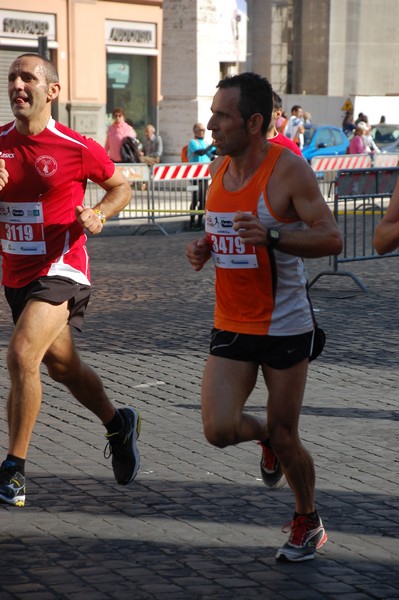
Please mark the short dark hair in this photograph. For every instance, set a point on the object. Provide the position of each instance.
(255, 95)
(51, 71)
(277, 101)
(295, 107)
(118, 111)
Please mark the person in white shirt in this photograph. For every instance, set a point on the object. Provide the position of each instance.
(295, 127)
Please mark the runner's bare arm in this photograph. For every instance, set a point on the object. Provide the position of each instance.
(294, 193)
(198, 253)
(117, 196)
(386, 234)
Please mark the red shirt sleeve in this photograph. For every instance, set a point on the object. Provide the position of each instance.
(96, 163)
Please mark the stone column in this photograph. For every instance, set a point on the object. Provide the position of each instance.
(190, 70)
(259, 36)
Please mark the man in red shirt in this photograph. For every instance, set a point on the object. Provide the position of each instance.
(275, 136)
(44, 167)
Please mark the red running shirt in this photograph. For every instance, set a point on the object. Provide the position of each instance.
(47, 179)
(282, 140)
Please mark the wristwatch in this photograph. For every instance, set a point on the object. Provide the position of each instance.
(100, 215)
(273, 237)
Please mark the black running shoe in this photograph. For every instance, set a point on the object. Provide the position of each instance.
(123, 447)
(307, 536)
(270, 468)
(12, 485)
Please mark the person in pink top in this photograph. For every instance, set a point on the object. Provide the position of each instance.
(116, 133)
(358, 144)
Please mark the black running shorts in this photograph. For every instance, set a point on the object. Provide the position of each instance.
(278, 352)
(54, 290)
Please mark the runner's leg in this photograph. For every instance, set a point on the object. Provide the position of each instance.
(38, 326)
(65, 366)
(286, 390)
(226, 387)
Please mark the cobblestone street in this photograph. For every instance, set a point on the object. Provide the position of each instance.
(198, 523)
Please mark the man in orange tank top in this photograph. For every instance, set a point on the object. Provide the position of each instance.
(264, 213)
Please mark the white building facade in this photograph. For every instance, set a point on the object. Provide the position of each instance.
(162, 59)
(317, 53)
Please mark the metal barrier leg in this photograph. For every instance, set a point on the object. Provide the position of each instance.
(345, 274)
(142, 229)
(193, 206)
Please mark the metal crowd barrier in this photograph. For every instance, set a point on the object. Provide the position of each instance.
(161, 192)
(340, 162)
(327, 167)
(357, 197)
(361, 197)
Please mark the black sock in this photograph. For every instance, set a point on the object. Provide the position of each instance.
(313, 515)
(266, 443)
(116, 423)
(18, 462)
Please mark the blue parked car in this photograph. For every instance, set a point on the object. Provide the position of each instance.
(324, 140)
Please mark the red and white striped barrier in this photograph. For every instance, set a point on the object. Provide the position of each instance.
(344, 161)
(386, 160)
(180, 171)
(354, 161)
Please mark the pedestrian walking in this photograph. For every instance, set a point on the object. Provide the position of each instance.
(44, 168)
(264, 212)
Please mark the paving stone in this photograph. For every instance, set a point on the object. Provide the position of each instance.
(197, 523)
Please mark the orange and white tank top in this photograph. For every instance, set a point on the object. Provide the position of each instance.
(258, 291)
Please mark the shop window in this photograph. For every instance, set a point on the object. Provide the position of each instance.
(130, 86)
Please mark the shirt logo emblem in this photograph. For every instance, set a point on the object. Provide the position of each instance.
(46, 165)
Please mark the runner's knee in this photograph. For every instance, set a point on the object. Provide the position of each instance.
(219, 434)
(62, 372)
(283, 440)
(21, 360)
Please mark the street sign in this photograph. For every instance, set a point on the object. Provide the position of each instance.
(347, 105)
